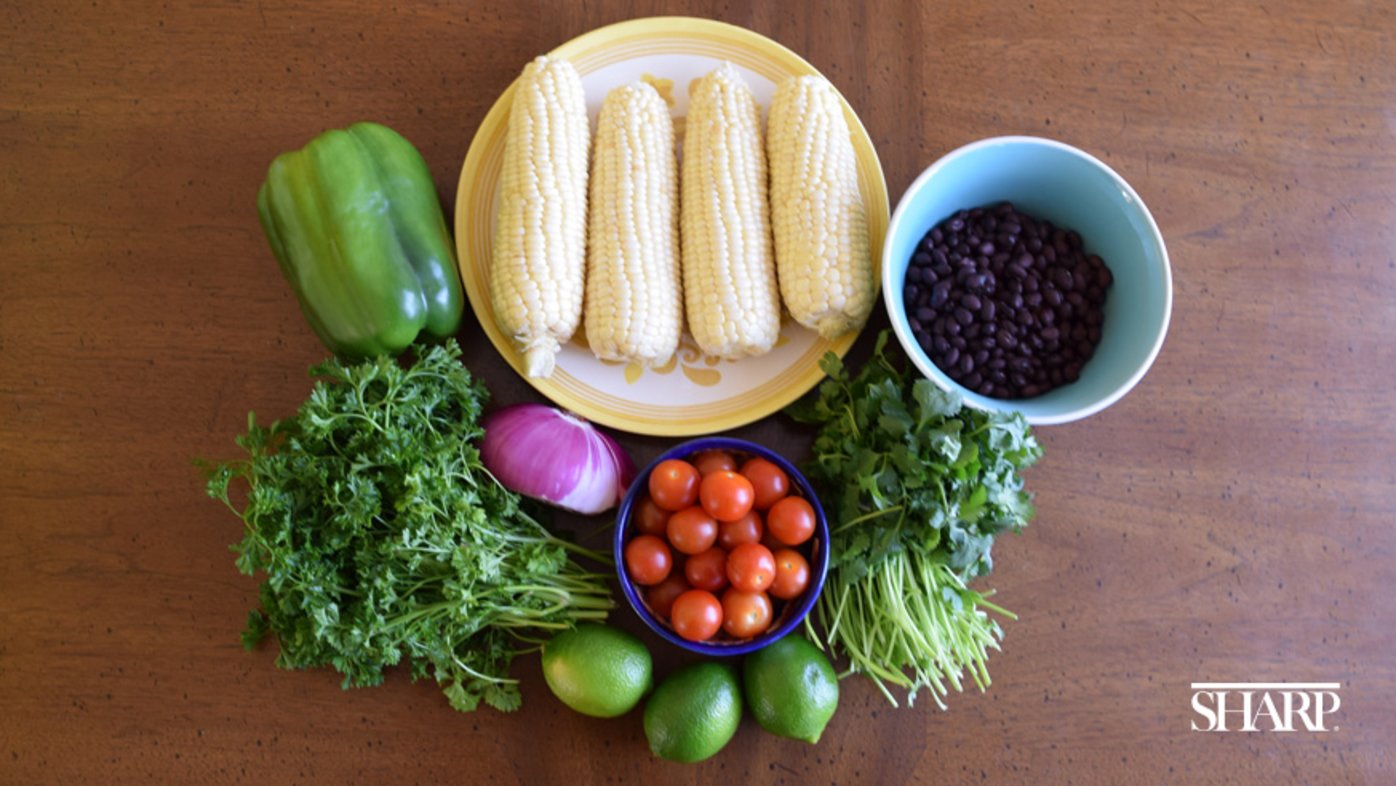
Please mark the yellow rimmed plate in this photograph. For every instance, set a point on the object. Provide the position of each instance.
(695, 393)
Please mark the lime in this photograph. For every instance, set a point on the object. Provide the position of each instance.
(791, 688)
(693, 713)
(598, 670)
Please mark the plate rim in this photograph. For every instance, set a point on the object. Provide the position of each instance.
(794, 385)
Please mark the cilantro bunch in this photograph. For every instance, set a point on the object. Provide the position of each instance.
(382, 536)
(916, 487)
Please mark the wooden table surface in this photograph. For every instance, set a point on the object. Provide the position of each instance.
(1230, 519)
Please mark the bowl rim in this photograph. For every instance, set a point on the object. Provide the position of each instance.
(891, 291)
(819, 566)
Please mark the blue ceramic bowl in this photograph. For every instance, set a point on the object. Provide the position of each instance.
(1073, 190)
(794, 610)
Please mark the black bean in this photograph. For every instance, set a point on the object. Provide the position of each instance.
(939, 294)
(1019, 341)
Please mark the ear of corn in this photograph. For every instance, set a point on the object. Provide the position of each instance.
(634, 297)
(540, 233)
(728, 268)
(821, 231)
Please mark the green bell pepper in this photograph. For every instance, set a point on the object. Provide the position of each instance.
(355, 224)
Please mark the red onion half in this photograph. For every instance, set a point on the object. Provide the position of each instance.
(556, 457)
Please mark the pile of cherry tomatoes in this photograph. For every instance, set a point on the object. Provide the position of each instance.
(711, 526)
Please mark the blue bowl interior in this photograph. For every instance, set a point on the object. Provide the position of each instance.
(1074, 191)
(795, 611)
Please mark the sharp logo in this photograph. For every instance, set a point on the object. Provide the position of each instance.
(1264, 706)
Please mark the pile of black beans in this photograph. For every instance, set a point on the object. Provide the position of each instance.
(1007, 305)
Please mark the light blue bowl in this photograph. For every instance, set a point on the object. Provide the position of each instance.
(1073, 190)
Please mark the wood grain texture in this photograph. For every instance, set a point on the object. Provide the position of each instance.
(1230, 519)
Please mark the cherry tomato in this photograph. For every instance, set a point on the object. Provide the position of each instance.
(792, 574)
(768, 539)
(661, 596)
(674, 484)
(692, 531)
(696, 615)
(647, 560)
(791, 520)
(747, 529)
(745, 614)
(707, 571)
(726, 496)
(770, 481)
(710, 461)
(751, 567)
(650, 518)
